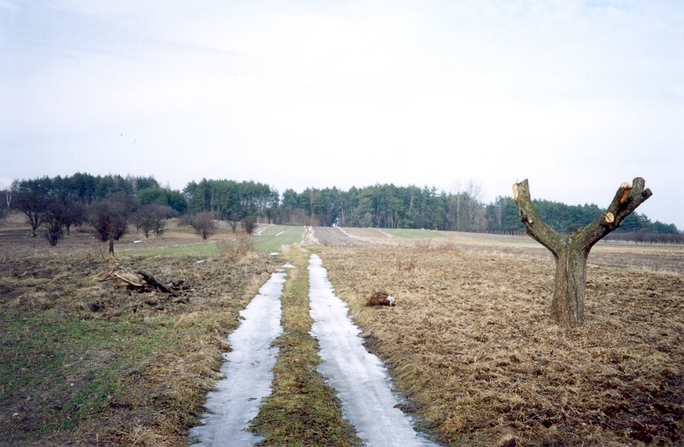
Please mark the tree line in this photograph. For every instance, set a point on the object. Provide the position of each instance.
(110, 203)
(389, 206)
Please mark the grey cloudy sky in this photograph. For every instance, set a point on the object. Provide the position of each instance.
(576, 96)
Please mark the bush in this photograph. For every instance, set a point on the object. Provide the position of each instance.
(248, 224)
(152, 218)
(203, 223)
(235, 250)
(109, 217)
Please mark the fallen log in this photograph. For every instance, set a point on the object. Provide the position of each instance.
(108, 275)
(151, 280)
(128, 280)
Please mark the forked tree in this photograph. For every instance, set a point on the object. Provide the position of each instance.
(571, 251)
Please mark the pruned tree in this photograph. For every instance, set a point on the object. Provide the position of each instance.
(571, 251)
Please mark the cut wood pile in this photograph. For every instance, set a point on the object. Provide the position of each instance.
(142, 281)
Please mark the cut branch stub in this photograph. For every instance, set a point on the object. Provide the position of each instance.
(626, 189)
(535, 226)
(627, 199)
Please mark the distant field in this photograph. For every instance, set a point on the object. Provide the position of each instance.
(203, 250)
(413, 234)
(273, 237)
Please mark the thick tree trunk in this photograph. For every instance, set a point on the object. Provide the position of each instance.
(111, 245)
(567, 306)
(571, 251)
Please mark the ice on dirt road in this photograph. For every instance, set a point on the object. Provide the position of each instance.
(248, 370)
(359, 377)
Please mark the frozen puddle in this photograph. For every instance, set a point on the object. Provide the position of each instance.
(359, 377)
(248, 370)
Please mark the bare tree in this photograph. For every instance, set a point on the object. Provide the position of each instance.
(109, 217)
(53, 221)
(571, 251)
(74, 214)
(6, 201)
(31, 198)
(152, 218)
(8, 194)
(203, 223)
(466, 212)
(61, 213)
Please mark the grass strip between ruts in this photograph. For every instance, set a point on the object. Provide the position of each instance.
(303, 409)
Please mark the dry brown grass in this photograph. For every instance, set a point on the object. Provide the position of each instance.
(237, 249)
(470, 340)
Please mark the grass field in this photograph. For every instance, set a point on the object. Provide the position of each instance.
(413, 234)
(273, 237)
(200, 251)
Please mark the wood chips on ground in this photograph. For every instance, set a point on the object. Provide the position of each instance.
(470, 341)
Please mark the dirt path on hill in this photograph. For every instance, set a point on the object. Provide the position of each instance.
(336, 237)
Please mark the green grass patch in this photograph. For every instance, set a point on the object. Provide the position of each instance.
(205, 250)
(413, 234)
(275, 236)
(69, 370)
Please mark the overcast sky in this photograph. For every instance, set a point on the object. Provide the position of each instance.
(576, 96)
